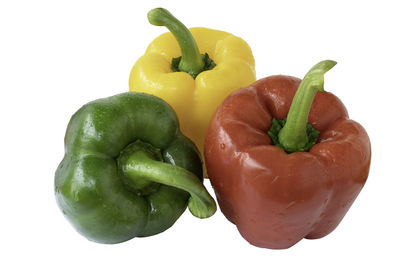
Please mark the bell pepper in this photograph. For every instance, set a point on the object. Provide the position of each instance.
(285, 160)
(128, 171)
(193, 70)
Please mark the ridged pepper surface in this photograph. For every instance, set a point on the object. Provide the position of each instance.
(128, 171)
(193, 70)
(280, 180)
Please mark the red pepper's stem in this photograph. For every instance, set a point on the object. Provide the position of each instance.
(293, 136)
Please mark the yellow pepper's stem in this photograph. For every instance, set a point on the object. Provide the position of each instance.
(191, 61)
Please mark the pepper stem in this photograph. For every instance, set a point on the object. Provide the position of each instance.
(192, 61)
(142, 168)
(293, 136)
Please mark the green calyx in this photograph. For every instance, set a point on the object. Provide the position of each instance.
(191, 61)
(277, 125)
(143, 170)
(208, 64)
(295, 133)
(138, 184)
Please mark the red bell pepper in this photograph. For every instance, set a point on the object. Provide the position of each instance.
(280, 180)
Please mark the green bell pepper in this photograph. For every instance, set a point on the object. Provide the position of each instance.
(128, 171)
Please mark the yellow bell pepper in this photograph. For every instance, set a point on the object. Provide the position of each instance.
(193, 70)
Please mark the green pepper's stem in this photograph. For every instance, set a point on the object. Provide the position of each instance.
(141, 165)
(293, 136)
(191, 61)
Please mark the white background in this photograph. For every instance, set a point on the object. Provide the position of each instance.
(57, 55)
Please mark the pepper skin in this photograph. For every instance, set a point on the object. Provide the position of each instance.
(127, 170)
(274, 197)
(194, 99)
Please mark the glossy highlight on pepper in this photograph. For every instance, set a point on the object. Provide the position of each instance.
(193, 70)
(128, 170)
(278, 194)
